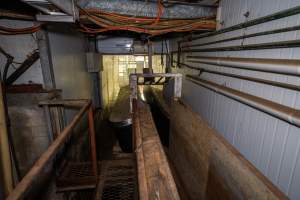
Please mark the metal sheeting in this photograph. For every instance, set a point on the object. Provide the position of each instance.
(149, 9)
(272, 145)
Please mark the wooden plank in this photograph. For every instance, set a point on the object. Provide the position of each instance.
(210, 167)
(150, 154)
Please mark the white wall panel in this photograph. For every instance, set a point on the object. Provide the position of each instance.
(272, 145)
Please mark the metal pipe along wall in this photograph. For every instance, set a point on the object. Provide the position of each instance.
(285, 113)
(281, 66)
(248, 78)
(268, 18)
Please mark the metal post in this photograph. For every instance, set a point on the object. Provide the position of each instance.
(49, 124)
(150, 52)
(93, 141)
(46, 59)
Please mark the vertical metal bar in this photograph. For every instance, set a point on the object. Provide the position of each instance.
(150, 52)
(133, 82)
(46, 59)
(49, 124)
(96, 90)
(178, 52)
(93, 141)
(177, 86)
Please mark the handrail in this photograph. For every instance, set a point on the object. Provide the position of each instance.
(24, 185)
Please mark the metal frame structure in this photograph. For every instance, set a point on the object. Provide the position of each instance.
(134, 82)
(24, 185)
(65, 10)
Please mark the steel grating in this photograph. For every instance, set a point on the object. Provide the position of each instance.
(117, 179)
(76, 176)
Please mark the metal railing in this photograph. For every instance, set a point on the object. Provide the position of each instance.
(24, 185)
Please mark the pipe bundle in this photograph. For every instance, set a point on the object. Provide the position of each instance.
(93, 21)
(15, 31)
(106, 21)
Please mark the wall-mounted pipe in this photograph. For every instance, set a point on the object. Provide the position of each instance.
(247, 78)
(282, 112)
(268, 18)
(281, 66)
(274, 31)
(269, 45)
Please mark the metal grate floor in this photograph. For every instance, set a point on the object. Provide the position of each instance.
(76, 176)
(117, 179)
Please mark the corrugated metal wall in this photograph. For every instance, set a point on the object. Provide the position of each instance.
(272, 145)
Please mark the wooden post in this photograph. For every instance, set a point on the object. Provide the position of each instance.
(5, 159)
(93, 141)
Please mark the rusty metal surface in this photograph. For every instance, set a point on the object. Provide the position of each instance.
(117, 180)
(25, 88)
(76, 176)
(92, 136)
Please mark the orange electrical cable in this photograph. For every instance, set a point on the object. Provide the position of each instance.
(153, 26)
(15, 31)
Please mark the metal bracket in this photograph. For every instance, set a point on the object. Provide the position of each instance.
(134, 82)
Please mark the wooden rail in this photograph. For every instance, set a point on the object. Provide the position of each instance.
(154, 175)
(25, 184)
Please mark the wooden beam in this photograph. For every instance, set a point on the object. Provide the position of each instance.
(155, 178)
(5, 159)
